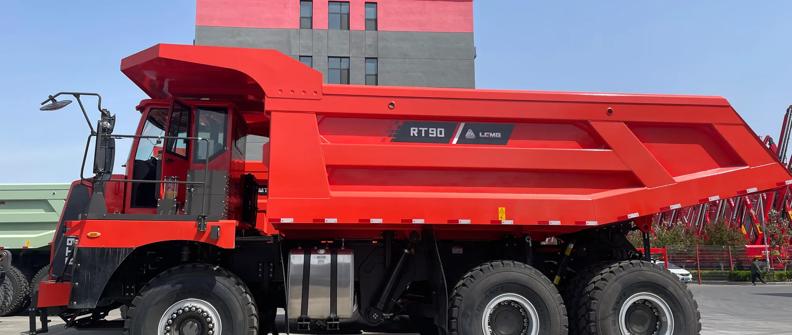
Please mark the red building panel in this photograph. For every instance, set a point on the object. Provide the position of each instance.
(393, 15)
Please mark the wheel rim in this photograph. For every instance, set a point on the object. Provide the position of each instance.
(646, 314)
(190, 317)
(510, 314)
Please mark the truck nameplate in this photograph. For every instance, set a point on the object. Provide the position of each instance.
(461, 133)
(425, 132)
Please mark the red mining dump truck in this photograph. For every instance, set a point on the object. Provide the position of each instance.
(438, 211)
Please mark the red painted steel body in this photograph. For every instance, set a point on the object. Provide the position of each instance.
(573, 160)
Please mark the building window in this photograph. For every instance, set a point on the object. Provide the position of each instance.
(371, 16)
(372, 71)
(338, 15)
(307, 60)
(338, 70)
(306, 14)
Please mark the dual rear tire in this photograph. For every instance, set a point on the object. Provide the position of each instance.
(632, 298)
(625, 298)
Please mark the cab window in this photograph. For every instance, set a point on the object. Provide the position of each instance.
(148, 160)
(180, 120)
(211, 124)
(150, 147)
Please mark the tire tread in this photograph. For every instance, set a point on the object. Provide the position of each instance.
(17, 294)
(585, 315)
(463, 286)
(241, 288)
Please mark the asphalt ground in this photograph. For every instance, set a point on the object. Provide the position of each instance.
(725, 310)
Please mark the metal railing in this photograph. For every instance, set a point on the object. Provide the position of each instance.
(205, 183)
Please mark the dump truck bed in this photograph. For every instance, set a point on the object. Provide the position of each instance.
(29, 214)
(346, 159)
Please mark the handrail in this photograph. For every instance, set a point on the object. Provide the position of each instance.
(205, 183)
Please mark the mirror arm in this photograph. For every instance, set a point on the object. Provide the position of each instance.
(85, 114)
(77, 95)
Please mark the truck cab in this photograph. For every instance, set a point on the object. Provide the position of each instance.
(189, 160)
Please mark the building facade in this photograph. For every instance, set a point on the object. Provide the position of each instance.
(372, 42)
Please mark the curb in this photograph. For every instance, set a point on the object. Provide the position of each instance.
(739, 283)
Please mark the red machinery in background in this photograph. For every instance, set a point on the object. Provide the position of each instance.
(752, 213)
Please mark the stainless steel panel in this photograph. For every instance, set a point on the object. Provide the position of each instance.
(346, 283)
(296, 261)
(320, 282)
(319, 287)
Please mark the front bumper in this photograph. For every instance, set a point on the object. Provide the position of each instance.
(52, 294)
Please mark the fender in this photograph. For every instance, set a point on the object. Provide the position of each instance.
(104, 245)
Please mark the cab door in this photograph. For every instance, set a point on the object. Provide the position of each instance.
(210, 162)
(175, 161)
(145, 162)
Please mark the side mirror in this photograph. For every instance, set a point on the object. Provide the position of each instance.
(104, 152)
(104, 155)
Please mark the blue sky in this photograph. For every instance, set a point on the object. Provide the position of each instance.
(737, 49)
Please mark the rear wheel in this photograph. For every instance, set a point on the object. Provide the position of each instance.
(506, 298)
(14, 291)
(637, 298)
(194, 299)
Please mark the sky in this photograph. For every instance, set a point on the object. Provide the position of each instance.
(740, 50)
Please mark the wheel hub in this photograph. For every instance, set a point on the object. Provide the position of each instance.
(646, 314)
(190, 317)
(510, 314)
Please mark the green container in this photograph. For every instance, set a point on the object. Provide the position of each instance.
(29, 214)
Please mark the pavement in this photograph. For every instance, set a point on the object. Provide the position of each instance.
(725, 310)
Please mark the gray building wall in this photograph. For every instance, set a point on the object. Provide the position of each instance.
(405, 58)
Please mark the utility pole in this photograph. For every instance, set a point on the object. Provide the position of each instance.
(764, 230)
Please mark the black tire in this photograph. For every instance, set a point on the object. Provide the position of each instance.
(40, 275)
(573, 290)
(16, 292)
(484, 284)
(6, 294)
(225, 293)
(611, 288)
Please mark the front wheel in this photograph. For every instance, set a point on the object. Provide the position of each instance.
(506, 298)
(195, 299)
(636, 298)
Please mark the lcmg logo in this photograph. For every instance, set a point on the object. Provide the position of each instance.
(471, 135)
